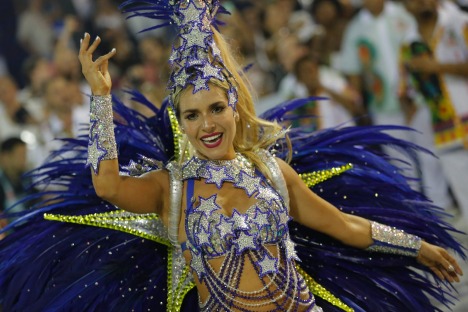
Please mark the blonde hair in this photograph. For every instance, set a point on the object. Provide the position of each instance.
(252, 133)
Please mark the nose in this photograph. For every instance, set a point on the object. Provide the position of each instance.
(208, 124)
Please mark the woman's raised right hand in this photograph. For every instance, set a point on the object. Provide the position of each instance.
(96, 72)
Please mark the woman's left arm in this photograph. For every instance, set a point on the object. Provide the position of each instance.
(310, 210)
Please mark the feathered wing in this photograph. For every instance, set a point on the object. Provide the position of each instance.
(102, 257)
(346, 167)
(97, 257)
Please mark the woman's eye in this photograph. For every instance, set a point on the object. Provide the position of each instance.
(191, 116)
(218, 109)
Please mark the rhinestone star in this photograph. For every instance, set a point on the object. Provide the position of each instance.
(215, 50)
(203, 236)
(200, 84)
(261, 218)
(248, 183)
(191, 14)
(208, 205)
(180, 78)
(244, 242)
(267, 265)
(95, 154)
(197, 264)
(240, 221)
(232, 97)
(283, 217)
(266, 194)
(218, 175)
(195, 38)
(225, 227)
(211, 71)
(290, 249)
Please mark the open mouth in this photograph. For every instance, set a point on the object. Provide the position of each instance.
(212, 140)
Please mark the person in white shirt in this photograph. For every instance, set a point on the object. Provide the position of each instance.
(370, 57)
(437, 60)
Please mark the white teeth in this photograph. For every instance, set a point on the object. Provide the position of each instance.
(211, 139)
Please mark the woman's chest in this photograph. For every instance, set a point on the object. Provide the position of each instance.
(214, 221)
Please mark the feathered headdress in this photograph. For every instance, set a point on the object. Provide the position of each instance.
(195, 57)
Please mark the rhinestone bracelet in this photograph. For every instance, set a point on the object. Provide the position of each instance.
(388, 239)
(102, 145)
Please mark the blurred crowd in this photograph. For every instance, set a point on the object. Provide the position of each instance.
(373, 61)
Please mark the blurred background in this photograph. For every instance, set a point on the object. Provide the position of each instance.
(359, 54)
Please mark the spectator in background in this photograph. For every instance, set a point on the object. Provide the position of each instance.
(12, 167)
(243, 31)
(154, 54)
(331, 24)
(339, 104)
(371, 58)
(110, 24)
(37, 71)
(437, 58)
(35, 30)
(59, 108)
(14, 118)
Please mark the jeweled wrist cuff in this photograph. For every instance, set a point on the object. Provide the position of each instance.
(102, 145)
(388, 239)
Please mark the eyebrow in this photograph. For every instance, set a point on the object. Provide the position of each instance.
(194, 110)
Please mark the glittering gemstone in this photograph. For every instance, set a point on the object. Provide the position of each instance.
(208, 205)
(217, 175)
(197, 264)
(267, 265)
(95, 154)
(248, 183)
(240, 221)
(261, 218)
(244, 242)
(210, 71)
(191, 14)
(195, 38)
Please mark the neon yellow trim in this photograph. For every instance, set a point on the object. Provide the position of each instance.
(320, 291)
(107, 220)
(176, 133)
(316, 177)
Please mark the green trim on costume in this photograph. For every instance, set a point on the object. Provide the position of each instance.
(174, 301)
(316, 177)
(119, 220)
(177, 135)
(320, 291)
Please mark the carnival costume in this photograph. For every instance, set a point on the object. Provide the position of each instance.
(100, 258)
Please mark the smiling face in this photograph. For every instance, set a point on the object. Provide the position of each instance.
(208, 122)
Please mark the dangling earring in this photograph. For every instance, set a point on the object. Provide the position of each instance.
(182, 129)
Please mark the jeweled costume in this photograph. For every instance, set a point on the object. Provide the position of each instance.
(242, 239)
(99, 258)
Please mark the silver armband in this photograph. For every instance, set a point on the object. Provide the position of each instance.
(101, 145)
(388, 239)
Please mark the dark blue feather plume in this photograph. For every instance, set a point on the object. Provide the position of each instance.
(51, 266)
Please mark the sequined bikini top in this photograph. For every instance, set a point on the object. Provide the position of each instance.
(213, 234)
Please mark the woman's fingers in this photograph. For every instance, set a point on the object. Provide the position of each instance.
(437, 272)
(103, 60)
(455, 265)
(94, 45)
(440, 262)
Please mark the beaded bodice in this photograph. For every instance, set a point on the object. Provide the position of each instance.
(213, 233)
(255, 236)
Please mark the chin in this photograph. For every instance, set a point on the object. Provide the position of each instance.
(216, 153)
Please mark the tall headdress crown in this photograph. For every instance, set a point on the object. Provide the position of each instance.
(195, 58)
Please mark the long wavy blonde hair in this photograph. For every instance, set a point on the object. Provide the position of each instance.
(252, 133)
